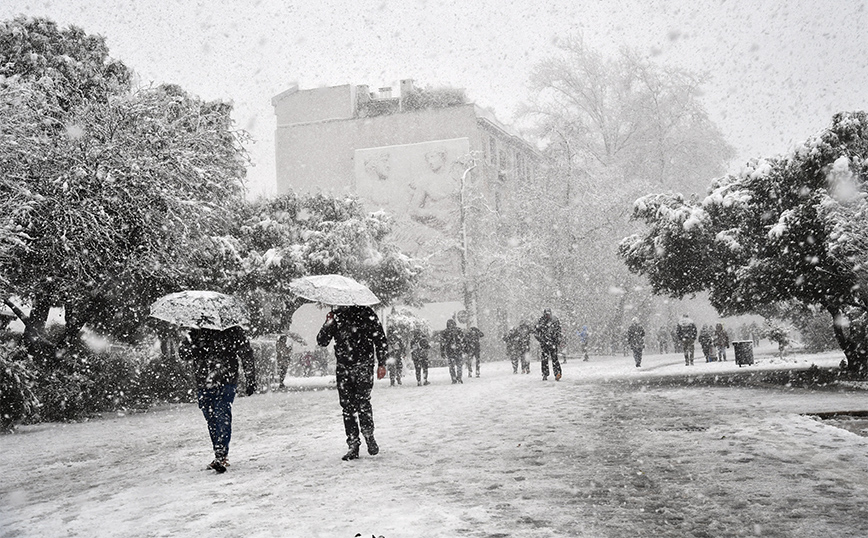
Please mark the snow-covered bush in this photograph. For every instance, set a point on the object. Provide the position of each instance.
(17, 378)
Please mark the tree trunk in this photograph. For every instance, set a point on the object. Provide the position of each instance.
(854, 344)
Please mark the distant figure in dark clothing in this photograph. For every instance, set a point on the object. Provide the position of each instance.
(685, 332)
(583, 343)
(706, 342)
(215, 358)
(451, 348)
(663, 338)
(395, 363)
(524, 332)
(548, 334)
(419, 353)
(282, 358)
(511, 339)
(472, 348)
(636, 340)
(359, 339)
(721, 341)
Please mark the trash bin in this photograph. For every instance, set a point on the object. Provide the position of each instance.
(743, 352)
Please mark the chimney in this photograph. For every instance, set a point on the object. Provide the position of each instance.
(385, 93)
(363, 94)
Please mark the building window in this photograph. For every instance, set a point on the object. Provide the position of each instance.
(492, 150)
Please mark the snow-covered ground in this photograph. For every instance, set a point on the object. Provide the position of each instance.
(503, 455)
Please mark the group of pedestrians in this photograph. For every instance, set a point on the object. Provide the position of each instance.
(714, 341)
(548, 333)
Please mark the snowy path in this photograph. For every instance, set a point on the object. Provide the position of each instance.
(502, 455)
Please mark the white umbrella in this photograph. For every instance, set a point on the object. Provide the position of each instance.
(333, 290)
(201, 309)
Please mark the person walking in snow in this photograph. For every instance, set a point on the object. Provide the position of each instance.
(282, 358)
(636, 340)
(395, 362)
(472, 348)
(548, 333)
(583, 342)
(685, 333)
(215, 357)
(419, 353)
(359, 340)
(511, 339)
(721, 341)
(706, 342)
(451, 349)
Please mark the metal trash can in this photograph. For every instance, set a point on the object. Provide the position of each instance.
(743, 352)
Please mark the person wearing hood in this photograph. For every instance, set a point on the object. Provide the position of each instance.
(359, 341)
(706, 342)
(215, 358)
(685, 332)
(721, 341)
(636, 340)
(472, 349)
(548, 334)
(452, 349)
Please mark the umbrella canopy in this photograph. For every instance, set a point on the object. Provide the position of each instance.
(200, 309)
(333, 290)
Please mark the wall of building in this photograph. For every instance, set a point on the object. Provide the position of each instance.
(319, 156)
(320, 104)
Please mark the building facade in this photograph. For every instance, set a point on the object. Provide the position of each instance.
(423, 163)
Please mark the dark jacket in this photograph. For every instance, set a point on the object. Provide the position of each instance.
(451, 341)
(721, 338)
(419, 347)
(548, 332)
(358, 336)
(471, 341)
(215, 356)
(685, 331)
(636, 336)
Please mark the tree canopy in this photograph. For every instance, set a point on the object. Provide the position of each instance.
(786, 229)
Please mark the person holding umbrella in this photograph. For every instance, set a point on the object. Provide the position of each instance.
(215, 358)
(214, 345)
(359, 339)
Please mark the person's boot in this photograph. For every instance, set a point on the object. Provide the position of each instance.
(352, 453)
(373, 447)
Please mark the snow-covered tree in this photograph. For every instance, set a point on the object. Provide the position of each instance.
(613, 128)
(790, 228)
(277, 240)
(105, 192)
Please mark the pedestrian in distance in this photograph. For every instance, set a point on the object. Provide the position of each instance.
(282, 358)
(511, 339)
(636, 340)
(395, 362)
(451, 349)
(721, 341)
(215, 357)
(706, 342)
(419, 347)
(583, 342)
(359, 341)
(548, 333)
(685, 333)
(472, 349)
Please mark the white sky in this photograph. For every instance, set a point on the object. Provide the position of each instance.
(777, 70)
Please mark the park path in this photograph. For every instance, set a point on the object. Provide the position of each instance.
(500, 456)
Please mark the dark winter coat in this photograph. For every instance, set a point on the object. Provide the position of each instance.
(419, 346)
(358, 335)
(721, 338)
(471, 341)
(706, 336)
(215, 356)
(636, 336)
(451, 341)
(548, 332)
(685, 331)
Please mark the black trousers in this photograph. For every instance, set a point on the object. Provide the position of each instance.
(421, 364)
(354, 391)
(550, 353)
